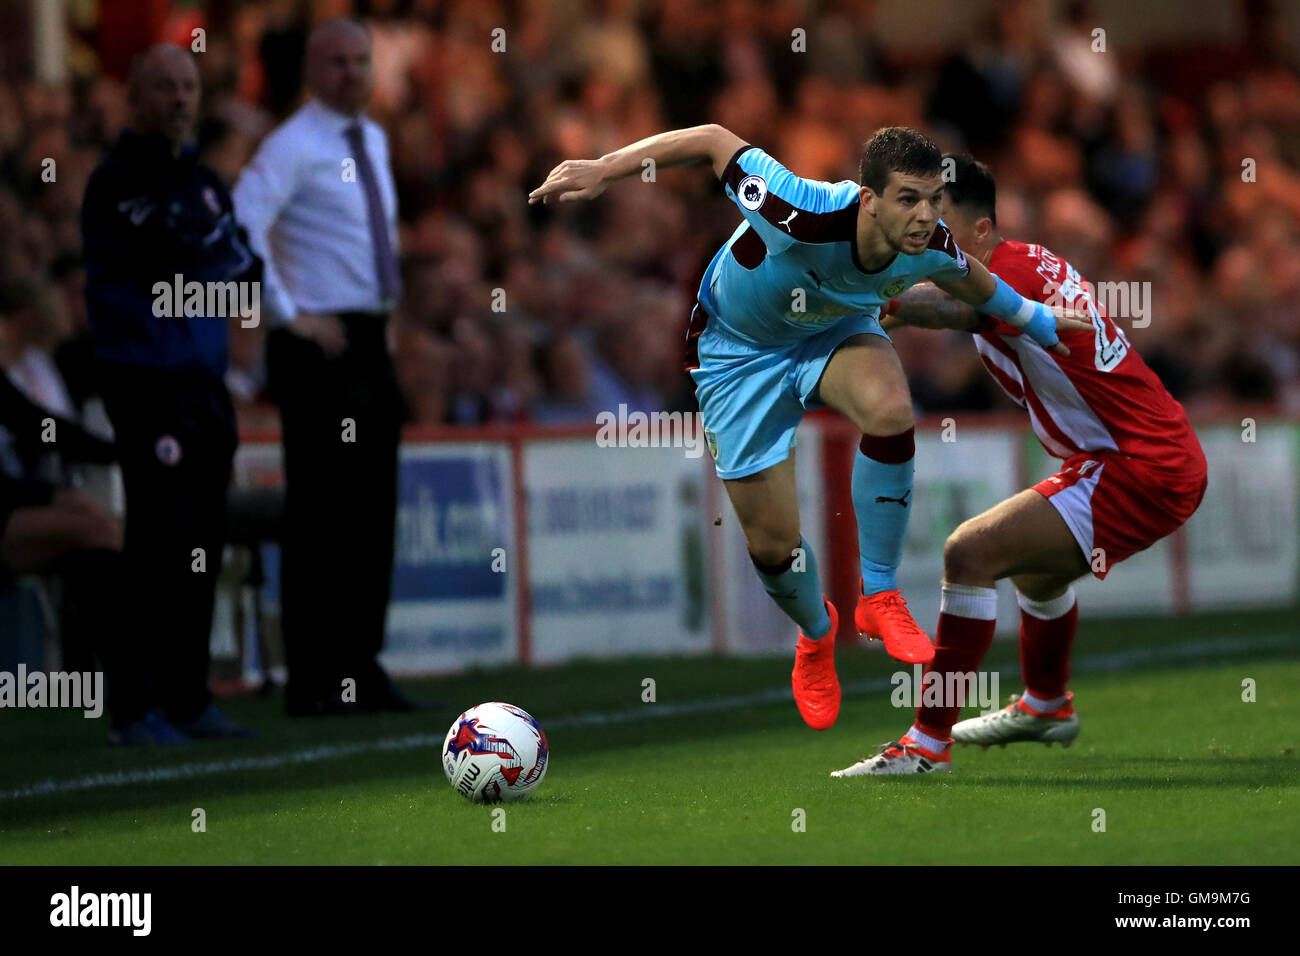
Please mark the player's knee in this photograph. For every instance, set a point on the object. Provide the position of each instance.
(1041, 587)
(879, 408)
(965, 555)
(889, 417)
(771, 546)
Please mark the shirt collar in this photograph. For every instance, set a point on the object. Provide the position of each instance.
(332, 118)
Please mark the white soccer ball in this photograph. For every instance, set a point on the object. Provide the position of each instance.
(495, 753)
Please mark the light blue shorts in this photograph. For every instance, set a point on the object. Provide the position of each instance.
(752, 399)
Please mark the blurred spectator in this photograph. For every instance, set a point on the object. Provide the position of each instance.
(152, 213)
(320, 205)
(38, 322)
(1134, 156)
(48, 528)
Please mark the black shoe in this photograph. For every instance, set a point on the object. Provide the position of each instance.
(394, 701)
(381, 694)
(151, 730)
(213, 724)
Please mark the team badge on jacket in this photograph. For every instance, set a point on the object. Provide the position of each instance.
(168, 450)
(752, 191)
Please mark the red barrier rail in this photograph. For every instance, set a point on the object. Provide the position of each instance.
(839, 437)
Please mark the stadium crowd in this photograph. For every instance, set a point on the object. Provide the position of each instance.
(1175, 166)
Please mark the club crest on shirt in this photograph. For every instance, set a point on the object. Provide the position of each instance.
(137, 209)
(752, 191)
(894, 288)
(210, 197)
(168, 450)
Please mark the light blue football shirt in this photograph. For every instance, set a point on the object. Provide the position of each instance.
(798, 234)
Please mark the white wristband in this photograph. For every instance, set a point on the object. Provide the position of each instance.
(1023, 314)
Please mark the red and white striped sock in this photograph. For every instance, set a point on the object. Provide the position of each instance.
(967, 616)
(1046, 635)
(1040, 706)
(932, 744)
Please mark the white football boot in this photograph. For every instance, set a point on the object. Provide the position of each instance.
(1017, 722)
(902, 756)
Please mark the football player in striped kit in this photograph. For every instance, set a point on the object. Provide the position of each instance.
(1133, 472)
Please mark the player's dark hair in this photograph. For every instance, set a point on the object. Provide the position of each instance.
(897, 149)
(970, 185)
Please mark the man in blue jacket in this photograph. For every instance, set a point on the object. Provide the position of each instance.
(155, 220)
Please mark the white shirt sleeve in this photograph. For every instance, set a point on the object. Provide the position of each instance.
(265, 186)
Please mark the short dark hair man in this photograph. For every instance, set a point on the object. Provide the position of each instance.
(788, 318)
(1132, 473)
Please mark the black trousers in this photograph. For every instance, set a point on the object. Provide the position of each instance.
(341, 423)
(176, 439)
(100, 615)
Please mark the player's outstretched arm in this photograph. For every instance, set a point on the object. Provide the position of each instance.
(925, 306)
(587, 178)
(987, 293)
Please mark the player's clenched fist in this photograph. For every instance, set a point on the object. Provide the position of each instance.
(572, 179)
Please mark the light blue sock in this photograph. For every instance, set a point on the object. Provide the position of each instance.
(798, 592)
(882, 499)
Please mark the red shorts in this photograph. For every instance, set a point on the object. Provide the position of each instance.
(1117, 506)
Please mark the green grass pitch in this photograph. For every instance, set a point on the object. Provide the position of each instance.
(713, 771)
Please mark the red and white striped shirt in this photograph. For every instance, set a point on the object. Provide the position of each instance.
(1101, 397)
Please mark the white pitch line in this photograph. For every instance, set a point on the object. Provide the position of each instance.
(1099, 663)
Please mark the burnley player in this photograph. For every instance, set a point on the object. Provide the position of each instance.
(788, 318)
(1133, 473)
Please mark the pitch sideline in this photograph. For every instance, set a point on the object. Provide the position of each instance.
(1100, 663)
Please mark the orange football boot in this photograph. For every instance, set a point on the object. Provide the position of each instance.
(885, 617)
(816, 688)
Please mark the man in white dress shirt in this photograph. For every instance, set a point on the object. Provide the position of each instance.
(320, 207)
